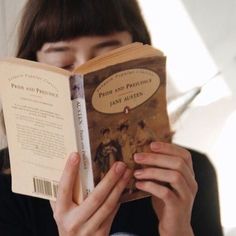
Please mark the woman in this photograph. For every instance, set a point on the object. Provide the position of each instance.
(126, 142)
(108, 151)
(66, 34)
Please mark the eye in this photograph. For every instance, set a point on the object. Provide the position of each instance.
(105, 49)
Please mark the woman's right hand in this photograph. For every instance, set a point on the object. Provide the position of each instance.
(95, 214)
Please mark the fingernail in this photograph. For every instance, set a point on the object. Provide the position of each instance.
(74, 158)
(138, 172)
(120, 167)
(139, 184)
(155, 145)
(138, 157)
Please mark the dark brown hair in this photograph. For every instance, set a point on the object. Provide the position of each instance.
(56, 20)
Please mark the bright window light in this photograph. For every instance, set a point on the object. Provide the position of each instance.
(224, 151)
(213, 91)
(189, 62)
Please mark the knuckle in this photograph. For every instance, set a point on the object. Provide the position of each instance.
(162, 145)
(108, 207)
(188, 156)
(166, 193)
(195, 187)
(180, 164)
(149, 172)
(96, 200)
(147, 185)
(191, 196)
(176, 178)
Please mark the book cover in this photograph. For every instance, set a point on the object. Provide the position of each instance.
(125, 111)
(39, 125)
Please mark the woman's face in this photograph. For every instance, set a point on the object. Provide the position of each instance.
(72, 53)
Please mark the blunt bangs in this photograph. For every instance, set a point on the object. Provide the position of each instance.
(58, 20)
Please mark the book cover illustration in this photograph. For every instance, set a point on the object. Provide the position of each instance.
(126, 111)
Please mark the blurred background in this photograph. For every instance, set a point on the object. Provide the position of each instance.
(199, 40)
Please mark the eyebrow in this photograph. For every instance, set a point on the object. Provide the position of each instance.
(57, 49)
(108, 43)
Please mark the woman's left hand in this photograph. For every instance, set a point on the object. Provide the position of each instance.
(168, 175)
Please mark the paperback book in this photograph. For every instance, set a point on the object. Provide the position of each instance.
(106, 110)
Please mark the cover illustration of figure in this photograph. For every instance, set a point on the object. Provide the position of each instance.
(108, 151)
(126, 142)
(76, 87)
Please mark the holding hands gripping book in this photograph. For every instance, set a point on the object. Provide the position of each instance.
(106, 110)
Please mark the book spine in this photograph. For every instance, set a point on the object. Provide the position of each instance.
(82, 135)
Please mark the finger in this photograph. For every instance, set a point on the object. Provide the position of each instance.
(105, 227)
(166, 162)
(109, 219)
(111, 202)
(174, 178)
(70, 173)
(174, 150)
(162, 192)
(100, 193)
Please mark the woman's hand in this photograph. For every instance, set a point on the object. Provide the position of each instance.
(168, 175)
(95, 214)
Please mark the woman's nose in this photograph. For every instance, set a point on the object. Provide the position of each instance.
(81, 58)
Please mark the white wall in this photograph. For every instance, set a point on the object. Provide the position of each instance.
(3, 34)
(9, 17)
